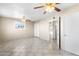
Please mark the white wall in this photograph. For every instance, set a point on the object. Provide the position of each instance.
(42, 29)
(70, 29)
(8, 29)
(71, 33)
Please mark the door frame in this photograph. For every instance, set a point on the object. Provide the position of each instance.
(59, 32)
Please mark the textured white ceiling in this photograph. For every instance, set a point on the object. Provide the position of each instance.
(17, 10)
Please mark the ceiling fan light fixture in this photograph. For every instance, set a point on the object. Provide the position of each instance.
(49, 8)
(24, 19)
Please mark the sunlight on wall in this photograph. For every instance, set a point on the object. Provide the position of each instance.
(15, 29)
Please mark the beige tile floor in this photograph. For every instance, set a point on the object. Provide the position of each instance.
(30, 47)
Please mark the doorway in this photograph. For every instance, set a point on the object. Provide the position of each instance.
(55, 33)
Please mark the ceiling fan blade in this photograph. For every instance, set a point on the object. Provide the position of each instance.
(57, 9)
(38, 7)
(44, 12)
(57, 3)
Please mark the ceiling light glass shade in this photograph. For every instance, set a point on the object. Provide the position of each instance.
(49, 8)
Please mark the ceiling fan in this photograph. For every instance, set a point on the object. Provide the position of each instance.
(49, 7)
(24, 19)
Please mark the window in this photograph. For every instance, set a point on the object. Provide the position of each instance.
(19, 25)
